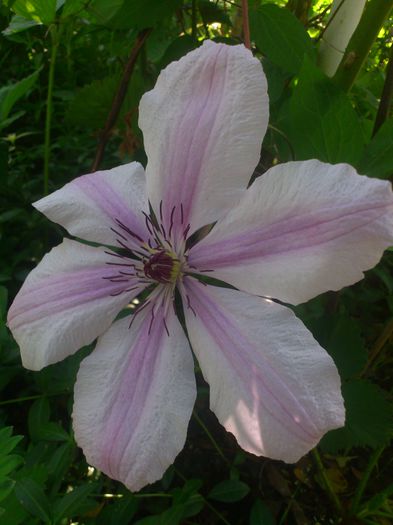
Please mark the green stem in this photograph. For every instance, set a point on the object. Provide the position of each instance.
(366, 476)
(54, 34)
(27, 398)
(385, 104)
(326, 480)
(213, 441)
(153, 495)
(374, 15)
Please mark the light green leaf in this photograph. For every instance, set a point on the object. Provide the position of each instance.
(41, 11)
(280, 36)
(18, 24)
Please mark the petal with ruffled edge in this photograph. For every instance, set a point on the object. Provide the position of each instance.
(301, 229)
(203, 126)
(66, 302)
(134, 397)
(91, 206)
(271, 384)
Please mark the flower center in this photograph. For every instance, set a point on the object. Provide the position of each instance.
(162, 266)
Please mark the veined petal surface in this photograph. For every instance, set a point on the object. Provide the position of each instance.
(271, 384)
(203, 126)
(301, 229)
(65, 303)
(91, 205)
(134, 397)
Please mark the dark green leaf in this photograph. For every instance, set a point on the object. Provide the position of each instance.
(172, 516)
(379, 499)
(52, 432)
(9, 95)
(341, 337)
(39, 414)
(322, 122)
(178, 48)
(60, 460)
(101, 11)
(280, 36)
(32, 497)
(3, 162)
(123, 510)
(6, 487)
(369, 419)
(377, 159)
(9, 463)
(72, 503)
(229, 491)
(141, 14)
(261, 514)
(92, 103)
(212, 12)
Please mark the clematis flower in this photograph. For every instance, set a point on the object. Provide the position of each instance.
(300, 229)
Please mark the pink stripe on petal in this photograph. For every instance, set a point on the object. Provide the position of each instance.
(203, 126)
(133, 399)
(91, 206)
(60, 293)
(112, 204)
(292, 233)
(301, 229)
(66, 302)
(265, 371)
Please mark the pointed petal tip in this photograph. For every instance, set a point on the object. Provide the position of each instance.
(133, 399)
(271, 384)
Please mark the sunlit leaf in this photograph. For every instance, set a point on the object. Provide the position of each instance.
(280, 36)
(322, 123)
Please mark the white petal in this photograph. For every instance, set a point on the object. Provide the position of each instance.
(271, 384)
(301, 229)
(203, 126)
(89, 206)
(66, 302)
(134, 397)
